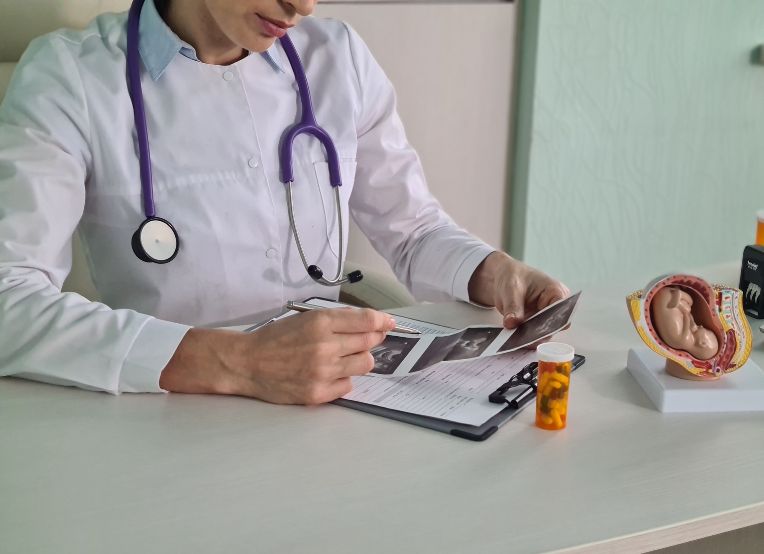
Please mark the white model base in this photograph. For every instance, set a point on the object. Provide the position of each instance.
(739, 391)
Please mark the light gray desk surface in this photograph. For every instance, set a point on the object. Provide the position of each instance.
(87, 472)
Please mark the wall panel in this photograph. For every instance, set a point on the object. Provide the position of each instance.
(642, 136)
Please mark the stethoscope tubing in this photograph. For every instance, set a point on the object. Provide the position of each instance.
(307, 123)
(139, 109)
(321, 279)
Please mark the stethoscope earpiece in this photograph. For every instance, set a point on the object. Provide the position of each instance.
(355, 276)
(317, 274)
(155, 241)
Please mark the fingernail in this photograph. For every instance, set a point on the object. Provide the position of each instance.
(511, 320)
(391, 324)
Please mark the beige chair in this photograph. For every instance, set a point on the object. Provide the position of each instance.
(22, 20)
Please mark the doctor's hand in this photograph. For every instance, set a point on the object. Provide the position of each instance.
(517, 290)
(304, 359)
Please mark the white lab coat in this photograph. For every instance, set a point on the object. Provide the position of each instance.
(68, 163)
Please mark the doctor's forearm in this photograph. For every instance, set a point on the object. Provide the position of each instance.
(482, 285)
(200, 363)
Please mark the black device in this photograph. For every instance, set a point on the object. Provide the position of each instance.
(752, 281)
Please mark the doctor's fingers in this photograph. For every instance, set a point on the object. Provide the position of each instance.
(328, 392)
(552, 294)
(352, 343)
(357, 320)
(355, 364)
(511, 304)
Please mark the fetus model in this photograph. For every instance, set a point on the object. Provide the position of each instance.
(700, 329)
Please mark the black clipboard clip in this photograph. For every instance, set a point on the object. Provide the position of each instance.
(526, 378)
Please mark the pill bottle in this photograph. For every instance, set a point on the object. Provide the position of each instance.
(555, 361)
(760, 228)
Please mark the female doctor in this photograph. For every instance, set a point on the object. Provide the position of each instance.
(175, 180)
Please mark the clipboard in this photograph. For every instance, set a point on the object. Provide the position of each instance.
(461, 430)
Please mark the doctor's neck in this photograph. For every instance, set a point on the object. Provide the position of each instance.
(224, 31)
(193, 22)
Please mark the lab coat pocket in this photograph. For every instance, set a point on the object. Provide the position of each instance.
(347, 171)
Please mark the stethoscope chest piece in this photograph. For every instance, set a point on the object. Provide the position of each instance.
(156, 241)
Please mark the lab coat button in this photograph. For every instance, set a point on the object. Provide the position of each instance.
(228, 75)
(253, 163)
(271, 253)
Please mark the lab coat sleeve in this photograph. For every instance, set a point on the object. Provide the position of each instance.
(47, 335)
(391, 203)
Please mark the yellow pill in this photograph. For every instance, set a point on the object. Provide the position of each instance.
(560, 377)
(556, 418)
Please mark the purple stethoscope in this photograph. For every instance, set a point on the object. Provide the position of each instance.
(156, 240)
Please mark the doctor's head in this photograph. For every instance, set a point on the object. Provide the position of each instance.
(252, 25)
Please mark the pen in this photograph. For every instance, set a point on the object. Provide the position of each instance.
(302, 307)
(258, 326)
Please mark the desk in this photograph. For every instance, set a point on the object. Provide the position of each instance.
(86, 472)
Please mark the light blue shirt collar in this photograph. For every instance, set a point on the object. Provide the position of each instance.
(159, 45)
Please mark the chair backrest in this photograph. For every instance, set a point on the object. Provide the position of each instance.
(23, 20)
(6, 69)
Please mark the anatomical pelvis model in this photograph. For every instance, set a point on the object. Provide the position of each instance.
(699, 328)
